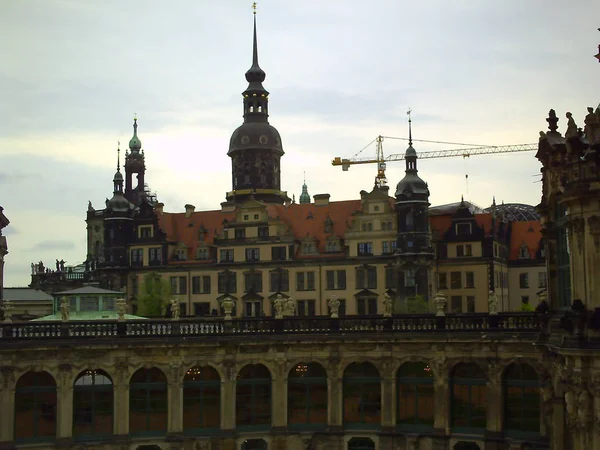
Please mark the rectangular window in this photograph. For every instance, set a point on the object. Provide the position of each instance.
(201, 308)
(278, 253)
(542, 280)
(336, 279)
(409, 278)
(455, 280)
(226, 255)
(227, 283)
(390, 278)
(468, 250)
(388, 247)
(155, 256)
(178, 285)
(525, 299)
(89, 304)
(134, 285)
(366, 306)
(252, 254)
(463, 229)
(263, 232)
(524, 280)
(137, 257)
(442, 280)
(181, 254)
(470, 280)
(305, 281)
(280, 281)
(460, 250)
(201, 284)
(145, 232)
(108, 304)
(366, 278)
(470, 304)
(306, 307)
(240, 233)
(456, 303)
(202, 253)
(253, 282)
(365, 248)
(252, 309)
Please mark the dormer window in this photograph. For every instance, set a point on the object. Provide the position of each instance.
(332, 246)
(202, 253)
(181, 254)
(328, 225)
(309, 248)
(463, 229)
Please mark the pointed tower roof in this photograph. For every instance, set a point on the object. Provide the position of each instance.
(118, 202)
(305, 196)
(255, 75)
(411, 184)
(135, 144)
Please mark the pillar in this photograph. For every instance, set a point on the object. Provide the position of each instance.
(64, 398)
(388, 395)
(334, 395)
(121, 400)
(441, 419)
(7, 404)
(175, 400)
(228, 397)
(279, 396)
(495, 407)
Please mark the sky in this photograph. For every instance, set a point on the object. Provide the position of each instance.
(73, 73)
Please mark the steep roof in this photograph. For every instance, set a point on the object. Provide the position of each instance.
(91, 290)
(20, 294)
(528, 233)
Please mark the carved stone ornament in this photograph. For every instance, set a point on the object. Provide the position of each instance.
(440, 302)
(121, 309)
(334, 305)
(577, 229)
(175, 308)
(228, 305)
(594, 227)
(388, 305)
(279, 304)
(493, 303)
(65, 309)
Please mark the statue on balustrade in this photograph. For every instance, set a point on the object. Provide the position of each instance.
(279, 305)
(65, 309)
(334, 305)
(175, 309)
(493, 303)
(388, 305)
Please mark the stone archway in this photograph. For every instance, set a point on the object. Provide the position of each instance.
(466, 446)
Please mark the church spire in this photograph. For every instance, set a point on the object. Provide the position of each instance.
(411, 155)
(135, 144)
(305, 196)
(255, 95)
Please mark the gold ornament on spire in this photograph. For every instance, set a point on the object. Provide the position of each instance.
(254, 8)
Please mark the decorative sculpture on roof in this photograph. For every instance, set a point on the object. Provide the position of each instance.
(493, 303)
(388, 305)
(334, 305)
(592, 125)
(571, 127)
(65, 309)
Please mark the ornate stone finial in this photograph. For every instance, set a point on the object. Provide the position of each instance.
(254, 5)
(228, 305)
(121, 309)
(492, 303)
(552, 121)
(440, 302)
(65, 309)
(334, 305)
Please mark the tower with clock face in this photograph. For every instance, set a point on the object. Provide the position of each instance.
(414, 252)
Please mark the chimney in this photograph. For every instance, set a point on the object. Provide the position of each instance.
(159, 208)
(189, 210)
(321, 199)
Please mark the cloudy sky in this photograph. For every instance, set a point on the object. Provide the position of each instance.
(74, 72)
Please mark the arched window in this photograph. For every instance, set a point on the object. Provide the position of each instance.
(410, 221)
(415, 395)
(254, 444)
(253, 397)
(469, 397)
(307, 396)
(148, 402)
(362, 396)
(361, 444)
(35, 407)
(522, 400)
(92, 405)
(201, 399)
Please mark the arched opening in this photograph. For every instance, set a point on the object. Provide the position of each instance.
(466, 446)
(35, 407)
(307, 396)
(361, 444)
(522, 400)
(469, 397)
(254, 444)
(362, 396)
(201, 399)
(415, 395)
(92, 405)
(253, 397)
(148, 403)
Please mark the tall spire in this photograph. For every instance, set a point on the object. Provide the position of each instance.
(411, 155)
(409, 128)
(118, 178)
(135, 144)
(255, 75)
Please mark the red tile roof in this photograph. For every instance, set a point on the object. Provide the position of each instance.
(528, 233)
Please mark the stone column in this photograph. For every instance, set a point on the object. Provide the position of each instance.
(279, 396)
(388, 395)
(7, 404)
(334, 394)
(228, 396)
(175, 400)
(441, 420)
(493, 432)
(121, 399)
(64, 406)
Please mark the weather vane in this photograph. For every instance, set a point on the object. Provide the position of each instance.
(408, 113)
(254, 8)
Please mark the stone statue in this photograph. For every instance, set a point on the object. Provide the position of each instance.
(571, 127)
(584, 410)
(334, 305)
(228, 305)
(41, 267)
(121, 309)
(279, 305)
(61, 264)
(32, 269)
(90, 207)
(492, 303)
(65, 309)
(592, 126)
(388, 305)
(175, 311)
(7, 308)
(290, 307)
(57, 265)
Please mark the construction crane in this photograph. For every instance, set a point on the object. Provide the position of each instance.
(381, 160)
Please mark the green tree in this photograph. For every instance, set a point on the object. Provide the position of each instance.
(414, 305)
(526, 307)
(154, 296)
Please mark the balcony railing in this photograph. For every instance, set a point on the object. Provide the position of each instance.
(318, 326)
